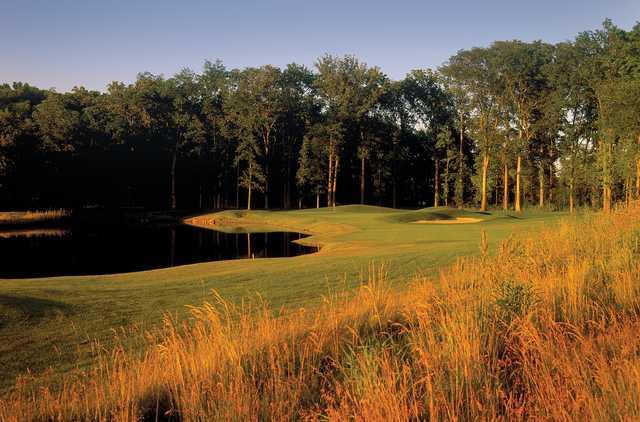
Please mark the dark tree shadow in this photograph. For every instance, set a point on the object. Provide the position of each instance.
(30, 309)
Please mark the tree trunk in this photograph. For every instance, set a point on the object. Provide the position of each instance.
(335, 177)
(395, 172)
(485, 171)
(266, 140)
(285, 203)
(266, 186)
(571, 194)
(518, 193)
(505, 183)
(394, 194)
(606, 182)
(287, 197)
(446, 182)
(174, 159)
(317, 198)
(541, 186)
(379, 193)
(436, 197)
(606, 198)
(250, 186)
(330, 175)
(362, 161)
(461, 164)
(550, 187)
(238, 186)
(215, 185)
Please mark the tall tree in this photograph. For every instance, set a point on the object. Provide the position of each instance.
(575, 106)
(301, 112)
(462, 106)
(349, 91)
(213, 85)
(445, 146)
(19, 141)
(252, 177)
(520, 67)
(255, 106)
(188, 129)
(473, 74)
(310, 175)
(429, 107)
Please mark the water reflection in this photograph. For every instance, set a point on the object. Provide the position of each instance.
(47, 232)
(49, 252)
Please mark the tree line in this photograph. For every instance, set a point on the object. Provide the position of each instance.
(514, 123)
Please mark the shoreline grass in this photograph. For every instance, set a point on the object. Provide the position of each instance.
(22, 218)
(545, 328)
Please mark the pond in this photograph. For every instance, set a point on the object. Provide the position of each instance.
(105, 250)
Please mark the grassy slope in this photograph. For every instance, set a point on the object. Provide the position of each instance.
(44, 322)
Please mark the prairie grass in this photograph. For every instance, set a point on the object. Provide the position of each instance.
(31, 217)
(545, 328)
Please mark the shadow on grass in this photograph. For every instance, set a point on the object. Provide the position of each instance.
(30, 309)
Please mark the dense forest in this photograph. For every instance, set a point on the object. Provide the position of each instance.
(507, 125)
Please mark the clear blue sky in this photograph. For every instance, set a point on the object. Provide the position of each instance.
(62, 43)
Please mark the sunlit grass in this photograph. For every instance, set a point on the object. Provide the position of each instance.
(546, 328)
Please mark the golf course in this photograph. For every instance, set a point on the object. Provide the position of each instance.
(56, 323)
(216, 211)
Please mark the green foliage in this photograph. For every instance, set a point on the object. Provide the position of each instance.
(514, 300)
(56, 123)
(569, 111)
(310, 175)
(248, 153)
(348, 88)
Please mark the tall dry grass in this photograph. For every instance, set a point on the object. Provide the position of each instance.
(547, 328)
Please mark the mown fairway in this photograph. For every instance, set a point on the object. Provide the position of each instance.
(47, 322)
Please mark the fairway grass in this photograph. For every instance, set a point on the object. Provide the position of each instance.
(57, 322)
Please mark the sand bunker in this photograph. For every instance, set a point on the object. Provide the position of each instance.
(457, 220)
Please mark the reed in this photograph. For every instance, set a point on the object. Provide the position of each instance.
(545, 328)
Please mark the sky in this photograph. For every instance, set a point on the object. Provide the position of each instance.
(63, 43)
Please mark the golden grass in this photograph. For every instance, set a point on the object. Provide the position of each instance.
(547, 328)
(28, 217)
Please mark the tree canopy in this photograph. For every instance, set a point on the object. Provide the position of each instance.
(510, 125)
